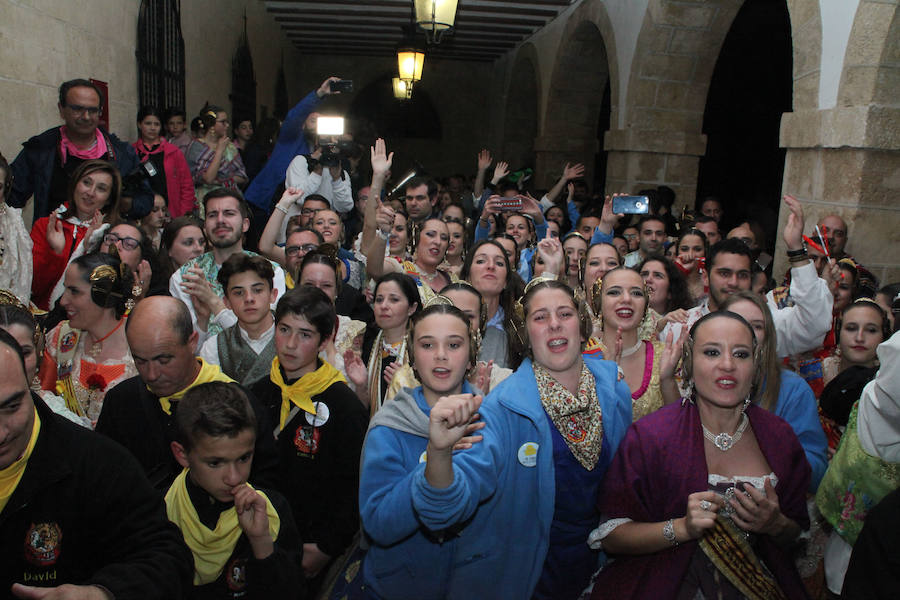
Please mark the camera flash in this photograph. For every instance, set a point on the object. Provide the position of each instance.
(330, 126)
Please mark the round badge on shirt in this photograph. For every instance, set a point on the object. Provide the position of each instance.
(321, 417)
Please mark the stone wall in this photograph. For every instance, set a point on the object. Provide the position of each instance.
(45, 42)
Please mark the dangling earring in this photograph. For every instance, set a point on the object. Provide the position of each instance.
(747, 401)
(688, 391)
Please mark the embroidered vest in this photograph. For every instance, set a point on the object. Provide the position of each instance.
(238, 360)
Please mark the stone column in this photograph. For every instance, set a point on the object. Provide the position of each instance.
(640, 159)
(846, 161)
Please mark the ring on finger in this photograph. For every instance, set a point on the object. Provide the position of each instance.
(705, 505)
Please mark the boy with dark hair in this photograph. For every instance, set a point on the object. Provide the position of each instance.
(321, 426)
(245, 350)
(244, 541)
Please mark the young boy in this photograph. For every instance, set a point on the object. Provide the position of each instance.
(245, 350)
(321, 426)
(244, 541)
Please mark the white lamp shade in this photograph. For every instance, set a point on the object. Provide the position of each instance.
(435, 15)
(402, 89)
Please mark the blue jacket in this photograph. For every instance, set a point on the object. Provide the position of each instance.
(291, 143)
(500, 504)
(797, 405)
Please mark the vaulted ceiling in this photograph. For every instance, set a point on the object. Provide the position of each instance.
(484, 29)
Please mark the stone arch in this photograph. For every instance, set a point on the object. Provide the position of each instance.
(522, 109)
(871, 73)
(585, 65)
(661, 139)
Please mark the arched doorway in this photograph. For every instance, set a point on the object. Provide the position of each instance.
(750, 89)
(581, 81)
(521, 124)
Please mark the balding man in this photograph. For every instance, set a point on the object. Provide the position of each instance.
(138, 413)
(76, 513)
(835, 231)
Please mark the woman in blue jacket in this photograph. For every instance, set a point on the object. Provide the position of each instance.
(518, 506)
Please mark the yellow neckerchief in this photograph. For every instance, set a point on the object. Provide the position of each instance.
(288, 281)
(211, 548)
(12, 475)
(207, 374)
(300, 392)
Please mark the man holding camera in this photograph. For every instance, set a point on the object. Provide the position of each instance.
(321, 173)
(293, 140)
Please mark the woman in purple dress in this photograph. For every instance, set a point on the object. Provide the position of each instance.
(705, 498)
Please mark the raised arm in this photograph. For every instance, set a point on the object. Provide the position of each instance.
(381, 164)
(484, 161)
(570, 172)
(267, 245)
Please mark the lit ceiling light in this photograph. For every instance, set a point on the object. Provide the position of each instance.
(409, 64)
(402, 89)
(435, 17)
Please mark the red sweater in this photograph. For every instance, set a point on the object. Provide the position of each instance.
(48, 265)
(179, 183)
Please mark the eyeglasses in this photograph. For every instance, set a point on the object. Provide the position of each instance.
(293, 251)
(308, 211)
(129, 243)
(92, 111)
(222, 121)
(629, 236)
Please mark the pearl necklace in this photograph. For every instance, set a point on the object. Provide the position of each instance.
(633, 349)
(724, 441)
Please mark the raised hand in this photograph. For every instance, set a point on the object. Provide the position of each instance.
(56, 236)
(484, 160)
(573, 171)
(384, 218)
(501, 170)
(325, 88)
(290, 196)
(490, 207)
(793, 229)
(450, 420)
(608, 219)
(480, 377)
(671, 353)
(466, 442)
(381, 160)
(551, 252)
(355, 368)
(389, 372)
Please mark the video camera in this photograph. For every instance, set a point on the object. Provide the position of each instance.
(328, 137)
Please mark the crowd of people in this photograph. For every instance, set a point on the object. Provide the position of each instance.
(233, 369)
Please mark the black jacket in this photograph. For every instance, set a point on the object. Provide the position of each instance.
(83, 513)
(319, 466)
(276, 576)
(132, 416)
(33, 169)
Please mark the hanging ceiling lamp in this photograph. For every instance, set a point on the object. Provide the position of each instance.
(410, 61)
(435, 17)
(402, 89)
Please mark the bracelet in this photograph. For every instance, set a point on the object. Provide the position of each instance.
(798, 259)
(800, 252)
(382, 235)
(669, 532)
(281, 208)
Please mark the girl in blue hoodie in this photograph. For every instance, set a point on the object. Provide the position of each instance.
(404, 559)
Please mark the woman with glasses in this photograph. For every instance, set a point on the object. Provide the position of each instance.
(93, 195)
(170, 176)
(87, 354)
(213, 158)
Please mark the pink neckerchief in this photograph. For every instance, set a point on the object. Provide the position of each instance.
(66, 147)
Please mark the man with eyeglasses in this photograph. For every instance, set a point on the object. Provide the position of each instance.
(47, 160)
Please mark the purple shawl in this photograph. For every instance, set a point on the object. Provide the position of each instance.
(659, 463)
